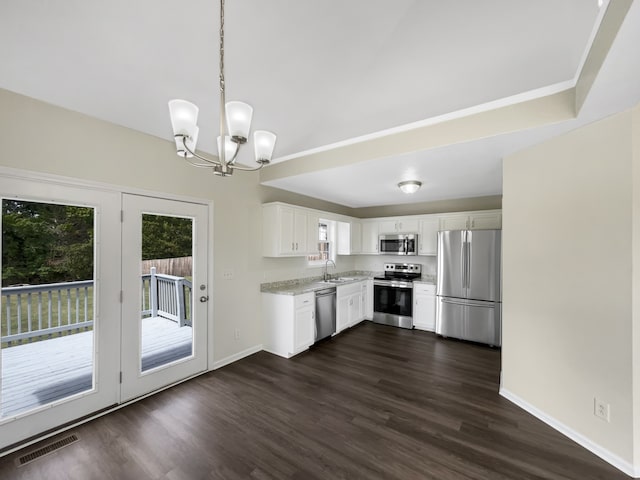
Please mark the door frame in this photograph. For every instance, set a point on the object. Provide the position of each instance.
(16, 175)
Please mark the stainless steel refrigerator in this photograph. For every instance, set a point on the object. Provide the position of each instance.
(468, 288)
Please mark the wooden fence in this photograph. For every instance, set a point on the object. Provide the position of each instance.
(178, 267)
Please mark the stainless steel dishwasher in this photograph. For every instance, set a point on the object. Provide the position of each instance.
(325, 313)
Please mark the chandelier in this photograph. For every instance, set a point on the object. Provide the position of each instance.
(235, 124)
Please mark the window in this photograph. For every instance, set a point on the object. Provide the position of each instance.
(326, 240)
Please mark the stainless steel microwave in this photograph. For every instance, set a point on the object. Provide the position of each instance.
(404, 244)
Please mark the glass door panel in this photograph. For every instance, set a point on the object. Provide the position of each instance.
(164, 332)
(47, 314)
(167, 272)
(59, 314)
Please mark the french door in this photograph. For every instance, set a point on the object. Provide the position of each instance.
(104, 299)
(60, 315)
(165, 293)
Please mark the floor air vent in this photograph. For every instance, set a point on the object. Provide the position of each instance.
(47, 449)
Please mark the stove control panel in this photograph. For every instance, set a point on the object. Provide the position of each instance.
(413, 268)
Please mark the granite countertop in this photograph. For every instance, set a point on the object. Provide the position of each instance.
(300, 286)
(305, 285)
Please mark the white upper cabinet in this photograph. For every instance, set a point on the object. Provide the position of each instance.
(313, 237)
(398, 225)
(285, 230)
(484, 220)
(369, 237)
(356, 237)
(428, 238)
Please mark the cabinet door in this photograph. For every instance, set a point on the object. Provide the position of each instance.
(424, 311)
(369, 237)
(300, 232)
(368, 312)
(486, 221)
(287, 242)
(428, 241)
(312, 234)
(303, 328)
(388, 226)
(355, 307)
(407, 225)
(356, 237)
(454, 221)
(342, 313)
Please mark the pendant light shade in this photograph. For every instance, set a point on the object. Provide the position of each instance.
(239, 116)
(263, 144)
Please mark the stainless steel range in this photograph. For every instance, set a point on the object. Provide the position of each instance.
(393, 294)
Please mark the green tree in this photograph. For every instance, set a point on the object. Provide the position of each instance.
(46, 243)
(166, 237)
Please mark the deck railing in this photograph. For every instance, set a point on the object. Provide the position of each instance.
(37, 312)
(46, 310)
(166, 296)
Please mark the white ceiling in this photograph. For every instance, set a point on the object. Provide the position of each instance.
(319, 73)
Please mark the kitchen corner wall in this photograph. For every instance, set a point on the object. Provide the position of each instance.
(570, 299)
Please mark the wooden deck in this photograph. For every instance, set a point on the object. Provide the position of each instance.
(38, 373)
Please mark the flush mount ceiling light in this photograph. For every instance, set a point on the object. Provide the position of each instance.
(410, 186)
(235, 123)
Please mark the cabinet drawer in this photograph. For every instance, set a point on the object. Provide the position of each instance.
(349, 289)
(304, 300)
(425, 288)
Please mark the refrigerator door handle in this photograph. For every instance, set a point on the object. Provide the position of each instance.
(468, 303)
(463, 262)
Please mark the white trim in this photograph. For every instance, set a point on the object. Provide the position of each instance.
(62, 180)
(580, 439)
(237, 356)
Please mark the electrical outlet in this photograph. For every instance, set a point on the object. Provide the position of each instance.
(236, 334)
(601, 409)
(227, 274)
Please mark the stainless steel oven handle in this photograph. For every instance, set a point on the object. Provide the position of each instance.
(393, 284)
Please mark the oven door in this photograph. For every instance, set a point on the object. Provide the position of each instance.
(393, 303)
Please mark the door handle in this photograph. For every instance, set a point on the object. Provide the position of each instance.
(204, 298)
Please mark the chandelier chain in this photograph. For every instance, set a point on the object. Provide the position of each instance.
(221, 44)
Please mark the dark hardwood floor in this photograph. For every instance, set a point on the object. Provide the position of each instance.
(375, 402)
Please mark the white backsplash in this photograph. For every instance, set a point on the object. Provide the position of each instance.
(376, 263)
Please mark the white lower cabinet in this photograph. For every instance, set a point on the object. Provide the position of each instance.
(289, 323)
(348, 306)
(424, 306)
(367, 299)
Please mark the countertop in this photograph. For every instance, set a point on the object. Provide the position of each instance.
(306, 285)
(300, 286)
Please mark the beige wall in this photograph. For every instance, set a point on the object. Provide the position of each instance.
(44, 138)
(567, 253)
(442, 206)
(636, 283)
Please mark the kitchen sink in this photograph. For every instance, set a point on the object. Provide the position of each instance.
(335, 281)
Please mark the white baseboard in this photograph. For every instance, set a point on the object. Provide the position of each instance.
(236, 356)
(594, 448)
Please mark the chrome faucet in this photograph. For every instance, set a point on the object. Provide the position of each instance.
(326, 265)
